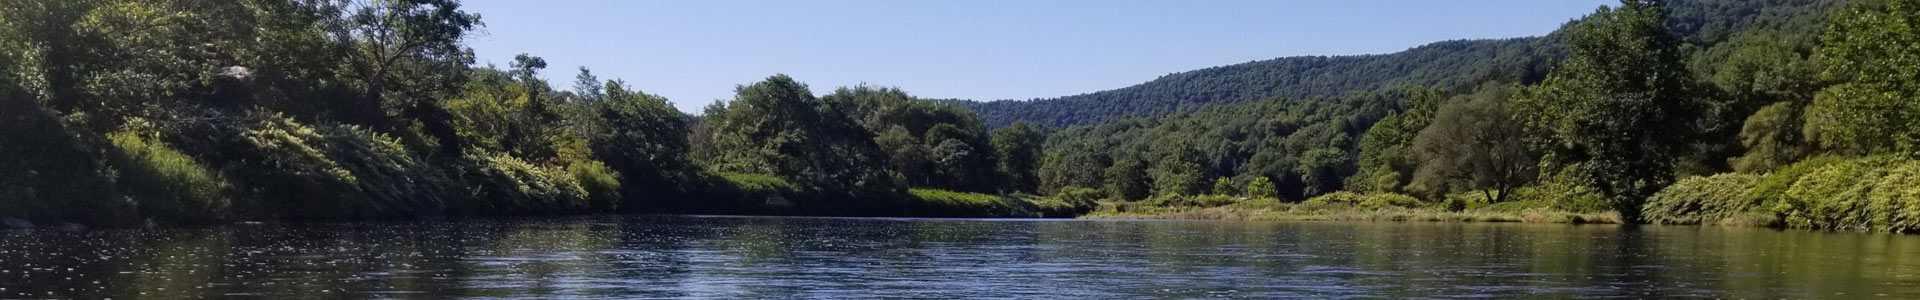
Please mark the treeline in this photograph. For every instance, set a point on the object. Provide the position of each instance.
(1804, 121)
(129, 112)
(1457, 66)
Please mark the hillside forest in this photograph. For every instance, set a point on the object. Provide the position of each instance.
(1786, 113)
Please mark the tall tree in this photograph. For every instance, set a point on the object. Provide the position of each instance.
(1476, 142)
(1870, 109)
(1017, 151)
(777, 127)
(1618, 108)
(403, 51)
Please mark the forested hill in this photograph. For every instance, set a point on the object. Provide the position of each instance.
(1455, 65)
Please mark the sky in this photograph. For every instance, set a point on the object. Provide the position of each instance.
(696, 52)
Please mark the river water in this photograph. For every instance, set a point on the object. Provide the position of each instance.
(840, 258)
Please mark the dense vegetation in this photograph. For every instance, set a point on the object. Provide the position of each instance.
(123, 112)
(1455, 66)
(1787, 113)
(1793, 115)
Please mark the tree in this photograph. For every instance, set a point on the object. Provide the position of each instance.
(406, 49)
(1177, 171)
(1613, 107)
(1476, 142)
(777, 127)
(1262, 188)
(1223, 186)
(1772, 139)
(1870, 109)
(1017, 152)
(643, 138)
(1387, 162)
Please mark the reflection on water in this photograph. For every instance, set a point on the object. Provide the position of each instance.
(752, 257)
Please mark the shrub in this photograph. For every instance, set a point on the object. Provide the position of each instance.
(1772, 187)
(601, 183)
(165, 183)
(1080, 200)
(944, 203)
(1385, 200)
(330, 172)
(1867, 194)
(503, 184)
(1562, 191)
(1212, 200)
(1703, 200)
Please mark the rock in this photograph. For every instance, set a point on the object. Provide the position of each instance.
(15, 223)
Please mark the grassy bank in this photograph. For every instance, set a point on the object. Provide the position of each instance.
(1122, 210)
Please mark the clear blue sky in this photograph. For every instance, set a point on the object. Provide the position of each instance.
(695, 52)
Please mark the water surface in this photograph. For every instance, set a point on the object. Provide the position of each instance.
(837, 258)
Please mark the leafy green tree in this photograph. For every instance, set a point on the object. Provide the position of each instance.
(1870, 108)
(645, 139)
(1177, 170)
(1017, 151)
(1387, 161)
(1262, 188)
(778, 127)
(1127, 180)
(1223, 186)
(1613, 107)
(1478, 143)
(405, 50)
(1772, 139)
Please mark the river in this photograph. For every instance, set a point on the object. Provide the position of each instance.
(840, 258)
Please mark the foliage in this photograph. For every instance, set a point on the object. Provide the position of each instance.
(1869, 109)
(1611, 110)
(1387, 158)
(1370, 201)
(778, 127)
(1262, 188)
(296, 171)
(1703, 200)
(1771, 138)
(1018, 153)
(1475, 143)
(165, 183)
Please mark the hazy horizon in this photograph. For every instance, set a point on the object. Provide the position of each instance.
(695, 52)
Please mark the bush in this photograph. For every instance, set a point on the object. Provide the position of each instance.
(165, 183)
(1562, 191)
(503, 184)
(1703, 200)
(1385, 200)
(1868, 194)
(295, 171)
(601, 183)
(727, 192)
(1212, 200)
(944, 203)
(1772, 187)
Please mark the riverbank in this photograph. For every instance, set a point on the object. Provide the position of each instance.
(1396, 214)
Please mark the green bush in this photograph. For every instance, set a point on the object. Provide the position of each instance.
(1212, 200)
(330, 172)
(1703, 200)
(1385, 200)
(944, 203)
(1562, 191)
(1772, 187)
(164, 183)
(1867, 194)
(601, 183)
(503, 184)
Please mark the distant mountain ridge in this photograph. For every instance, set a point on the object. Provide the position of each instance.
(1450, 65)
